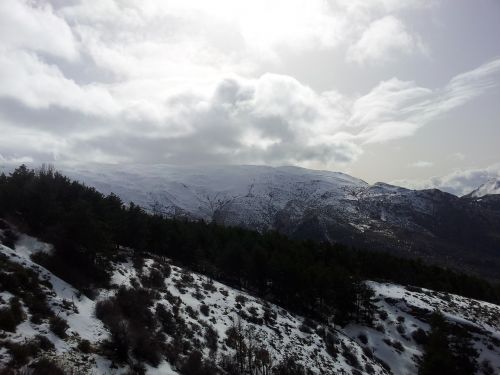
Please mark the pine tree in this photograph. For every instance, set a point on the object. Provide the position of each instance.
(437, 358)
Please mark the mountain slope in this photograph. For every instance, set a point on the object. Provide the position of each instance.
(209, 316)
(488, 188)
(319, 205)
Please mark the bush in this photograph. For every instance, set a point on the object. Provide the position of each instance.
(289, 367)
(46, 367)
(21, 353)
(205, 310)
(166, 319)
(331, 344)
(155, 279)
(118, 345)
(351, 358)
(304, 328)
(85, 346)
(9, 238)
(419, 336)
(383, 314)
(132, 325)
(401, 329)
(12, 316)
(369, 369)
(44, 343)
(59, 326)
(195, 365)
(241, 299)
(25, 284)
(362, 337)
(146, 347)
(398, 346)
(211, 338)
(308, 325)
(8, 321)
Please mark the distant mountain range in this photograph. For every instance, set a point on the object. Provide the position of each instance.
(461, 232)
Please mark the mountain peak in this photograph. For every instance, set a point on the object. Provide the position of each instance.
(490, 187)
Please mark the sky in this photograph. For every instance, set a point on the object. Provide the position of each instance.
(386, 90)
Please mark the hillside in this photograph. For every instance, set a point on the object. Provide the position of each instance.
(199, 324)
(318, 205)
(98, 283)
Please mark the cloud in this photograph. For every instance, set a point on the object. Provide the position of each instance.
(181, 81)
(396, 109)
(35, 26)
(383, 40)
(29, 80)
(459, 182)
(457, 156)
(272, 119)
(422, 164)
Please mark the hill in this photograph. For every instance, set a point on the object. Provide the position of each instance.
(318, 205)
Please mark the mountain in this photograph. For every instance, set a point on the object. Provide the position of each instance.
(89, 285)
(175, 321)
(488, 188)
(318, 205)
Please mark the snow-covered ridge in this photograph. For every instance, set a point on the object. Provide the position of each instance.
(387, 346)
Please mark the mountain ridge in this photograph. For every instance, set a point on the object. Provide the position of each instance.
(491, 187)
(320, 205)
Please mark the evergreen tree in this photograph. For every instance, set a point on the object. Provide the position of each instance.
(437, 358)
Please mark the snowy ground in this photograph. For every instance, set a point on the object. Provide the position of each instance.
(359, 349)
(406, 309)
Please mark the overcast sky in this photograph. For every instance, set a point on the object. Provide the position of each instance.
(386, 90)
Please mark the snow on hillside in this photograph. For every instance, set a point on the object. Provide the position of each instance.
(259, 197)
(204, 305)
(66, 302)
(489, 187)
(405, 310)
(202, 191)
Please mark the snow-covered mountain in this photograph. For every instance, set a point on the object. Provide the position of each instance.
(320, 205)
(490, 187)
(208, 315)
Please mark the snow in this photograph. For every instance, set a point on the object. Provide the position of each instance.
(283, 337)
(27, 245)
(490, 187)
(256, 196)
(398, 302)
(163, 369)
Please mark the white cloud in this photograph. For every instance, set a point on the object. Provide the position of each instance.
(272, 119)
(422, 164)
(16, 159)
(457, 156)
(34, 25)
(459, 182)
(384, 40)
(396, 109)
(29, 80)
(182, 81)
